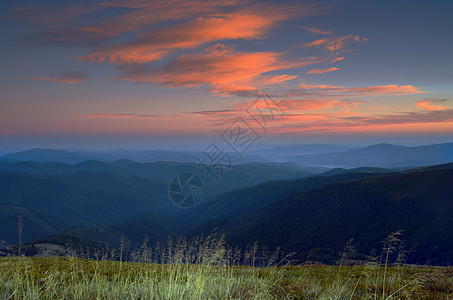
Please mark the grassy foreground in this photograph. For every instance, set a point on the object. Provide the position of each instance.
(75, 278)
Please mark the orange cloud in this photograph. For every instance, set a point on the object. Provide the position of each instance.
(282, 111)
(139, 15)
(353, 122)
(337, 59)
(431, 104)
(313, 104)
(311, 115)
(336, 45)
(66, 77)
(169, 27)
(218, 49)
(300, 104)
(317, 30)
(224, 72)
(268, 80)
(157, 44)
(444, 116)
(321, 71)
(151, 12)
(248, 23)
(340, 91)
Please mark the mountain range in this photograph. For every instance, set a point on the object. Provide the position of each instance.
(319, 156)
(105, 193)
(367, 209)
(277, 204)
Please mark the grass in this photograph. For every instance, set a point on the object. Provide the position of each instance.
(207, 268)
(76, 278)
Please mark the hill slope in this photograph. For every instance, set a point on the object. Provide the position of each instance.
(250, 199)
(148, 226)
(36, 223)
(420, 203)
(90, 198)
(105, 193)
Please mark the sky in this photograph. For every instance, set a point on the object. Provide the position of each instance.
(180, 73)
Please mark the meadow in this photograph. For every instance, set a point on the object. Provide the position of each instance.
(75, 278)
(208, 269)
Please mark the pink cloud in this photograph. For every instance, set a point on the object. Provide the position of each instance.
(157, 44)
(321, 71)
(335, 45)
(283, 110)
(224, 72)
(317, 30)
(250, 23)
(169, 27)
(340, 122)
(431, 104)
(332, 91)
(146, 13)
(337, 59)
(301, 104)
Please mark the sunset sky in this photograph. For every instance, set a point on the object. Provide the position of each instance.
(167, 73)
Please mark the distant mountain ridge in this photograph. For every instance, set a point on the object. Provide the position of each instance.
(74, 156)
(141, 156)
(46, 155)
(382, 155)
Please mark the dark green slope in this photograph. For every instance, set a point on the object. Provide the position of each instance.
(238, 202)
(99, 193)
(148, 226)
(36, 223)
(250, 199)
(420, 203)
(36, 167)
(97, 198)
(238, 176)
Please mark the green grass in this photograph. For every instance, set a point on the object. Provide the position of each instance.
(207, 268)
(76, 278)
